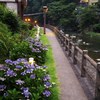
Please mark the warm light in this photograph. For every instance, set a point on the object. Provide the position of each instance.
(35, 21)
(25, 20)
(29, 19)
(31, 61)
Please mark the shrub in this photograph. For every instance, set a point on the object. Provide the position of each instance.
(93, 38)
(96, 28)
(5, 42)
(22, 80)
(28, 48)
(12, 21)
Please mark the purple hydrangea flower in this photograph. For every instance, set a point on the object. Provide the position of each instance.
(3, 68)
(23, 73)
(8, 61)
(32, 76)
(26, 92)
(46, 78)
(19, 82)
(15, 62)
(44, 67)
(20, 60)
(33, 50)
(10, 73)
(29, 71)
(27, 65)
(46, 93)
(47, 84)
(19, 67)
(2, 87)
(32, 67)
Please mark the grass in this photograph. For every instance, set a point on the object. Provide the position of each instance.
(51, 68)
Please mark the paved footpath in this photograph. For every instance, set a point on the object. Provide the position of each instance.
(69, 84)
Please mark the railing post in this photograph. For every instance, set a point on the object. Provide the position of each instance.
(83, 72)
(97, 89)
(74, 53)
(66, 43)
(69, 47)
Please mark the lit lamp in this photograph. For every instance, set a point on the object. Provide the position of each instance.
(31, 61)
(45, 10)
(35, 21)
(27, 19)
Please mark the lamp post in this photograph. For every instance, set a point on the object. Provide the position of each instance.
(45, 9)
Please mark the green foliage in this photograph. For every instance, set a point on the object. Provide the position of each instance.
(12, 21)
(96, 28)
(3, 11)
(20, 50)
(4, 41)
(86, 23)
(93, 38)
(23, 80)
(52, 69)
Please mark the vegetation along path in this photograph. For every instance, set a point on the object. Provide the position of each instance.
(69, 84)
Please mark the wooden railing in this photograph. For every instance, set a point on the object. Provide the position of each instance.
(87, 67)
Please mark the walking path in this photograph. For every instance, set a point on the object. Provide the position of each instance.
(69, 84)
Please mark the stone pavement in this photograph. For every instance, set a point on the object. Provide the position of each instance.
(69, 84)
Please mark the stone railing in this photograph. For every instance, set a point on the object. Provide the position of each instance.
(87, 67)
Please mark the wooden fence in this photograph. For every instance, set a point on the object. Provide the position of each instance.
(87, 67)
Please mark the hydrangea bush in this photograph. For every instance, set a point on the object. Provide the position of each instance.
(30, 47)
(20, 80)
(39, 50)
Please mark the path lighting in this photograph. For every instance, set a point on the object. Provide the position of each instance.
(31, 61)
(45, 10)
(27, 19)
(35, 21)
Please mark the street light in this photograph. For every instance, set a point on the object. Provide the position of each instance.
(45, 9)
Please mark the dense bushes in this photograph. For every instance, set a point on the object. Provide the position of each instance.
(22, 80)
(96, 28)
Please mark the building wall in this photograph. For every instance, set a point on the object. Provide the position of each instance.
(15, 6)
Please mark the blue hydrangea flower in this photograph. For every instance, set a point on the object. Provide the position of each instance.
(3, 68)
(32, 76)
(2, 87)
(10, 73)
(44, 67)
(32, 67)
(8, 61)
(15, 62)
(26, 92)
(47, 84)
(20, 60)
(29, 71)
(47, 93)
(19, 82)
(27, 65)
(46, 78)
(33, 50)
(19, 67)
(23, 73)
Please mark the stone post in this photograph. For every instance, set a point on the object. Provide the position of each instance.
(83, 63)
(74, 53)
(97, 89)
